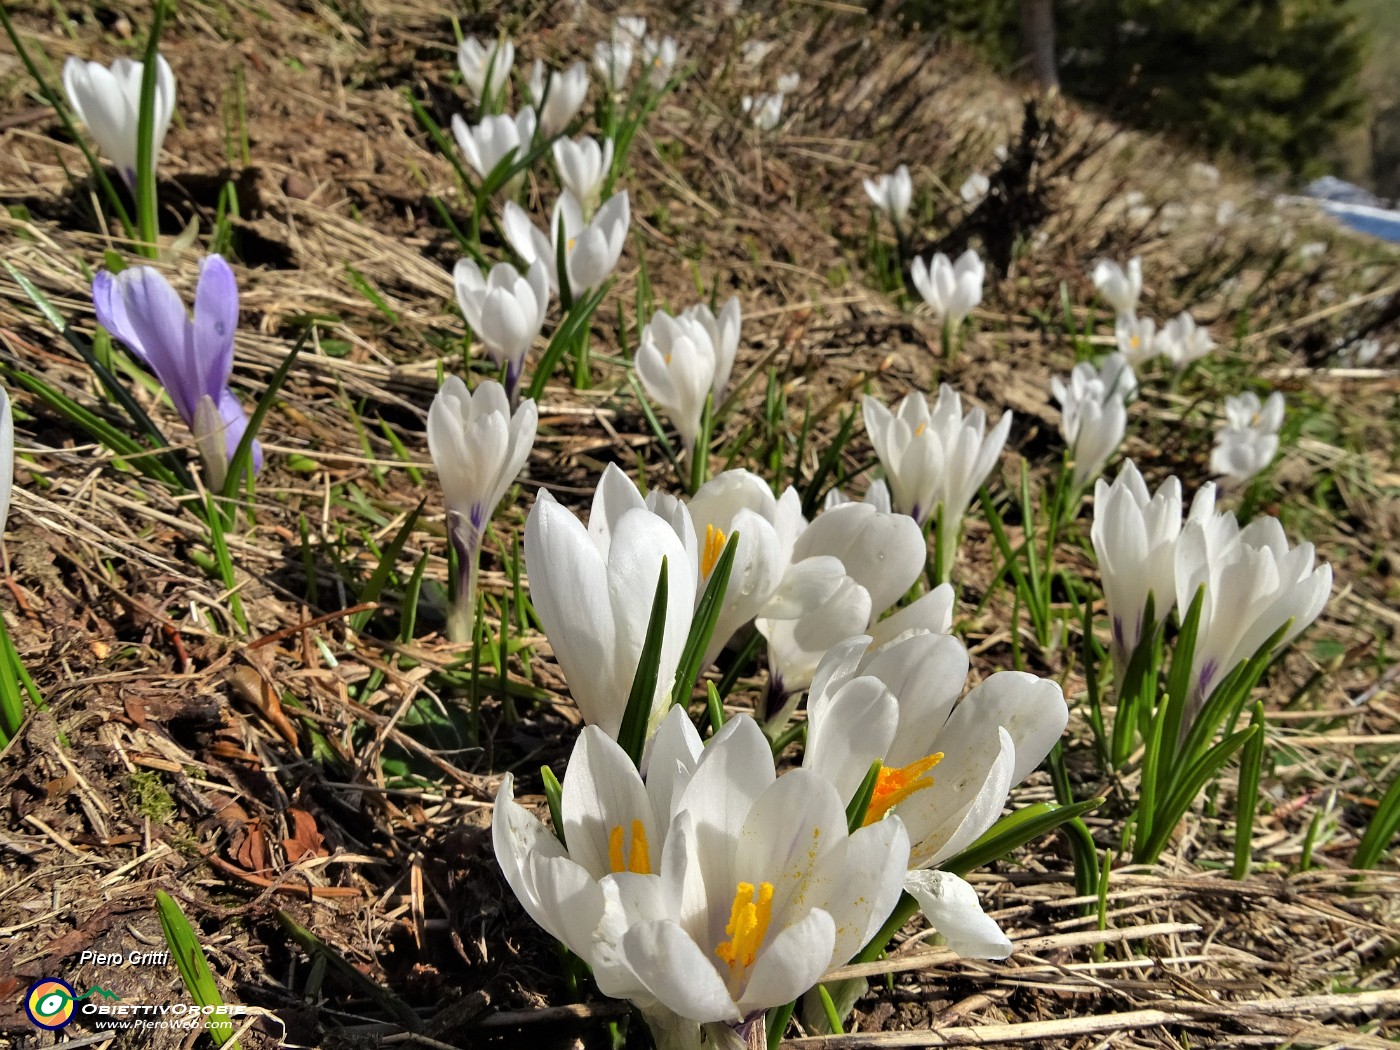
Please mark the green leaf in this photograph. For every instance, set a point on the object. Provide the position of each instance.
(859, 805)
(193, 966)
(702, 626)
(1385, 822)
(242, 457)
(1015, 830)
(388, 558)
(637, 718)
(554, 794)
(361, 985)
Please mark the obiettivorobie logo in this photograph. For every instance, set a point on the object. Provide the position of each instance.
(51, 1003)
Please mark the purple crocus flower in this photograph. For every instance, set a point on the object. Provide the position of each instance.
(193, 359)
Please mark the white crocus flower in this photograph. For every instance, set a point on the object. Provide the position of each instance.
(975, 188)
(764, 581)
(1137, 338)
(485, 66)
(947, 765)
(1250, 438)
(487, 144)
(1134, 536)
(505, 309)
(1120, 288)
(765, 109)
(7, 456)
(613, 61)
(1093, 415)
(478, 448)
(787, 83)
(583, 167)
(614, 824)
(1254, 584)
(593, 589)
(591, 248)
(724, 337)
(629, 26)
(762, 888)
(952, 289)
(935, 461)
(892, 194)
(108, 101)
(557, 96)
(676, 363)
(882, 554)
(1183, 341)
(659, 58)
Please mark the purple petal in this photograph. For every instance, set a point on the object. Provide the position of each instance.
(215, 318)
(161, 327)
(235, 423)
(110, 308)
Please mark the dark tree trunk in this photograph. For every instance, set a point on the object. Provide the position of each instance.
(1038, 40)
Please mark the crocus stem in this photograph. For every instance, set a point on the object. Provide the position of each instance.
(462, 616)
(146, 203)
(947, 546)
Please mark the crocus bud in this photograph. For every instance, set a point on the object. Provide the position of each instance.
(659, 56)
(1119, 288)
(952, 289)
(486, 144)
(1093, 413)
(557, 96)
(676, 364)
(506, 310)
(485, 66)
(109, 103)
(583, 167)
(1183, 341)
(724, 336)
(892, 194)
(1250, 438)
(478, 448)
(613, 61)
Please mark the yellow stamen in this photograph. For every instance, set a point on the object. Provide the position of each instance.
(570, 246)
(920, 429)
(1135, 342)
(714, 547)
(748, 925)
(639, 860)
(894, 784)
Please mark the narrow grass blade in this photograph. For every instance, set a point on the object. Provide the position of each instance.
(388, 558)
(1385, 822)
(147, 206)
(859, 805)
(1247, 799)
(242, 459)
(193, 966)
(702, 626)
(635, 720)
(1014, 830)
(318, 949)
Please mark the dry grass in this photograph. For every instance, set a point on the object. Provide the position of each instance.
(311, 768)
